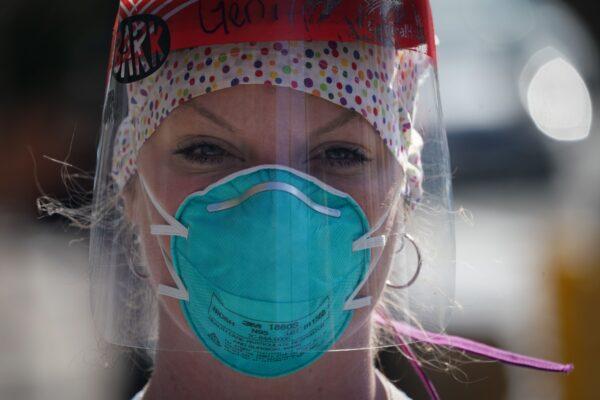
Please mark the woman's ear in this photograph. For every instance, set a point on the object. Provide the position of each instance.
(130, 194)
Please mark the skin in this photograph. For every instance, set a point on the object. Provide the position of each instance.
(217, 134)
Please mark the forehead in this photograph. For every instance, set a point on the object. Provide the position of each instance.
(265, 104)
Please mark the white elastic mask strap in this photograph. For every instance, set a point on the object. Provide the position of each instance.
(173, 227)
(366, 242)
(179, 292)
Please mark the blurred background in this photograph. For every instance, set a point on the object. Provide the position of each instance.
(520, 91)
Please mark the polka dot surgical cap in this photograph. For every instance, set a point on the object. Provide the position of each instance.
(380, 83)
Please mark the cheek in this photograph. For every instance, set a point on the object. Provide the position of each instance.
(377, 197)
(379, 277)
(153, 258)
(373, 191)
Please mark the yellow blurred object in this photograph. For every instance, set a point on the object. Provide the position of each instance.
(577, 272)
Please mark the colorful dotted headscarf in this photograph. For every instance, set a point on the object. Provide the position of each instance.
(378, 82)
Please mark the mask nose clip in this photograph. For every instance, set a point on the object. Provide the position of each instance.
(273, 186)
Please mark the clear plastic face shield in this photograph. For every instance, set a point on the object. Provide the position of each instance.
(271, 175)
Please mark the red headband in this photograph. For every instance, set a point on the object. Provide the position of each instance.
(146, 30)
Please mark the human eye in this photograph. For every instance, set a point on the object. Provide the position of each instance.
(340, 155)
(203, 151)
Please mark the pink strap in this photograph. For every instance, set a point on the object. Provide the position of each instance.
(402, 330)
(416, 365)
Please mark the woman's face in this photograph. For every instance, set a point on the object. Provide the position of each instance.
(220, 133)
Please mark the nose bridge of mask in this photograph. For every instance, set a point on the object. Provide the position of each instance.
(273, 186)
(237, 197)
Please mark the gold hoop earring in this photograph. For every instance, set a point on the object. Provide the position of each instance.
(419, 264)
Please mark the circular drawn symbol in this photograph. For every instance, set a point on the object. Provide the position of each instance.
(141, 47)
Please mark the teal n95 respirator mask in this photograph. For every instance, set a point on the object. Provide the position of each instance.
(267, 265)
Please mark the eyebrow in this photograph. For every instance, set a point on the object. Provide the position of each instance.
(214, 118)
(336, 123)
(330, 126)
